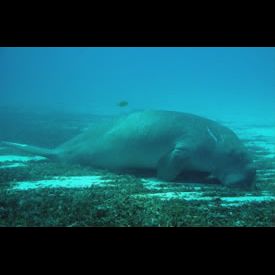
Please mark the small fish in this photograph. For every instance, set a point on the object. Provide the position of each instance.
(122, 103)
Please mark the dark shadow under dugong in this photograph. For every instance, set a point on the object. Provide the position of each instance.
(169, 142)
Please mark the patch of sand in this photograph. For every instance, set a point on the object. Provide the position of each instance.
(13, 165)
(62, 182)
(198, 196)
(12, 158)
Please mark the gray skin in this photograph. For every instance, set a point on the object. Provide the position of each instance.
(169, 142)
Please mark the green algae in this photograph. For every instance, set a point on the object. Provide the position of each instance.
(116, 205)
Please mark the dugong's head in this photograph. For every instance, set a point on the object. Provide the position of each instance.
(236, 169)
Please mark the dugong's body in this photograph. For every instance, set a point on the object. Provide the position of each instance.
(169, 142)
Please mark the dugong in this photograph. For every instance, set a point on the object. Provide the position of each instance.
(166, 141)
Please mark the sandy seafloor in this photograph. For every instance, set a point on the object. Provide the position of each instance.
(36, 192)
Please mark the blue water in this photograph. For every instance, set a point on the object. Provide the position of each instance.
(221, 83)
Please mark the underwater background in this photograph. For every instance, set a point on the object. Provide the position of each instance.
(48, 95)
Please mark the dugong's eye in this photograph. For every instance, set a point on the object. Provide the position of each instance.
(232, 152)
(236, 155)
(243, 156)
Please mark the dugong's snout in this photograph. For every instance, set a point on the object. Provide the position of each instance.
(243, 178)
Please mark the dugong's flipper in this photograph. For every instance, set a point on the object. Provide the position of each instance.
(172, 163)
(48, 153)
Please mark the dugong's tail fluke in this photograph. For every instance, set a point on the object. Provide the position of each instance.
(48, 153)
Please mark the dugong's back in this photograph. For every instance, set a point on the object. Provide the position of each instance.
(167, 126)
(137, 139)
(140, 139)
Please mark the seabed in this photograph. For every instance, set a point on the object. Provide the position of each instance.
(36, 192)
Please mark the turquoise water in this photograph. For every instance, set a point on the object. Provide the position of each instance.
(50, 95)
(214, 82)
